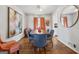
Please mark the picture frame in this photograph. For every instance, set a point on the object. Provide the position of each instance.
(14, 22)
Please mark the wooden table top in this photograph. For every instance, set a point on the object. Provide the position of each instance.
(39, 32)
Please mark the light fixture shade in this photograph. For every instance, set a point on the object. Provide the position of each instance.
(39, 8)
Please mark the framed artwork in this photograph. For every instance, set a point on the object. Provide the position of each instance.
(47, 22)
(56, 25)
(14, 22)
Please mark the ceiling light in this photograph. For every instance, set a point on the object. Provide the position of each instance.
(39, 8)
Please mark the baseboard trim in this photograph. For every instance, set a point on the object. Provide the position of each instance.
(68, 46)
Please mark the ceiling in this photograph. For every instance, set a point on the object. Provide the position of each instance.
(38, 9)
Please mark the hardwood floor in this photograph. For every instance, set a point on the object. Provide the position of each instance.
(58, 48)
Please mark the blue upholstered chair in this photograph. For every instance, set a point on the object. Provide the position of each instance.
(31, 36)
(39, 40)
(50, 36)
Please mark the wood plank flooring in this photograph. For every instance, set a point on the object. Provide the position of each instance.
(58, 48)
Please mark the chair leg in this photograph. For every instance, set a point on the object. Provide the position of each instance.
(52, 42)
(35, 50)
(44, 50)
(40, 50)
(17, 51)
(29, 44)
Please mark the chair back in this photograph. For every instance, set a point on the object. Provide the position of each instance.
(31, 36)
(48, 30)
(52, 32)
(27, 31)
(40, 40)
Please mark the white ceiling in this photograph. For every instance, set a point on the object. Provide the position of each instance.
(34, 9)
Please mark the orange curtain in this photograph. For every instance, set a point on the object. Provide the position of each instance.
(65, 21)
(42, 23)
(35, 23)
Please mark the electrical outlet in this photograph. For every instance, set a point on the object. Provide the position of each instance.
(74, 45)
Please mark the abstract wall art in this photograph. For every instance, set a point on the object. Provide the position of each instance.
(47, 22)
(14, 22)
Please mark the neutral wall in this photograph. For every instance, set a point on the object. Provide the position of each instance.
(68, 36)
(29, 20)
(4, 23)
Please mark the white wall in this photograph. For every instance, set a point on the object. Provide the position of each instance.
(29, 19)
(69, 36)
(4, 23)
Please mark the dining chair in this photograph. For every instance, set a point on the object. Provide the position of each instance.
(27, 31)
(50, 36)
(48, 30)
(39, 41)
(30, 38)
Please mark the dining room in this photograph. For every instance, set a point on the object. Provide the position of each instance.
(39, 29)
